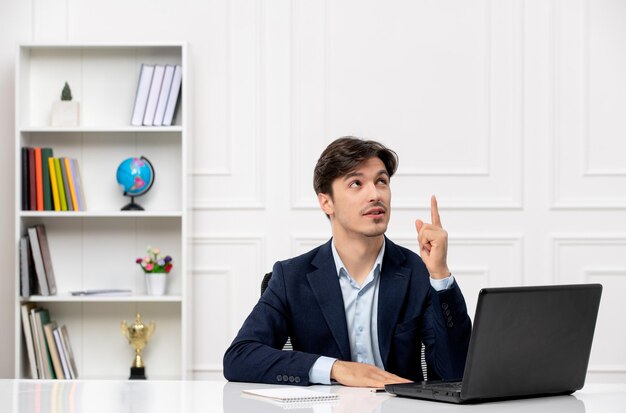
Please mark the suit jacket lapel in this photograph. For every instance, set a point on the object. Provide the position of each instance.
(325, 285)
(394, 280)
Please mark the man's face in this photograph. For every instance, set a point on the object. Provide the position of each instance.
(361, 200)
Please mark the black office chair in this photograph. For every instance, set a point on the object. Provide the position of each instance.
(264, 283)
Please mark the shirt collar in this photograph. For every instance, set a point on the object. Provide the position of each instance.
(339, 264)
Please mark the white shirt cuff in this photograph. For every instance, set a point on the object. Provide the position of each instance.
(320, 371)
(442, 284)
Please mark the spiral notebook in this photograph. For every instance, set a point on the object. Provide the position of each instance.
(292, 395)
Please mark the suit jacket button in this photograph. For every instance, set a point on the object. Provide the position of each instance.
(279, 378)
(285, 377)
(297, 379)
(291, 379)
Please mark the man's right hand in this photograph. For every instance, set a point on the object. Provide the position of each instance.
(354, 374)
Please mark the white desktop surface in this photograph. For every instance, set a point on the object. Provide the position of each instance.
(219, 396)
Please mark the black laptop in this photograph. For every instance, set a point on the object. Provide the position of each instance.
(526, 342)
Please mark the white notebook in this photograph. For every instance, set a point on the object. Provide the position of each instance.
(292, 395)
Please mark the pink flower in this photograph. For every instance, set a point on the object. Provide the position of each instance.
(149, 267)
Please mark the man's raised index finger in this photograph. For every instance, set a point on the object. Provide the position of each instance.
(434, 211)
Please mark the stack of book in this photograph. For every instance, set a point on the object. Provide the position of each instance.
(50, 184)
(158, 92)
(48, 345)
(36, 272)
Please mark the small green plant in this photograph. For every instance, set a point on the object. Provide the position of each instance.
(66, 94)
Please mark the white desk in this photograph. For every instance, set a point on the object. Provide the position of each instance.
(218, 396)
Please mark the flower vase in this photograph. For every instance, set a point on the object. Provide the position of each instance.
(155, 283)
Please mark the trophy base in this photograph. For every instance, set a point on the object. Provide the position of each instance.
(137, 373)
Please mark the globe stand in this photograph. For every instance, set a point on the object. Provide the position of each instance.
(132, 206)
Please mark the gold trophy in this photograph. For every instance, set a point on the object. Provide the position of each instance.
(138, 335)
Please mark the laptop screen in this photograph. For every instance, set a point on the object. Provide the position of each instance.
(531, 340)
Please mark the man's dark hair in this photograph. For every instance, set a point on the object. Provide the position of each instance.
(344, 155)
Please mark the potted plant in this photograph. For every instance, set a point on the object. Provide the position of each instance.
(155, 266)
(65, 112)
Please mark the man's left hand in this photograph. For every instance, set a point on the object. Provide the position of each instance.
(433, 242)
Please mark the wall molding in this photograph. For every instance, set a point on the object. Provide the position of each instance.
(305, 201)
(257, 200)
(585, 171)
(557, 241)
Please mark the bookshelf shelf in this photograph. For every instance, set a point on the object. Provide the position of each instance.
(102, 214)
(67, 298)
(96, 248)
(112, 129)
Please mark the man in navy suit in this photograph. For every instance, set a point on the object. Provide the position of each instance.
(358, 307)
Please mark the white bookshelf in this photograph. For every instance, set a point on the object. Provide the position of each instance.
(97, 248)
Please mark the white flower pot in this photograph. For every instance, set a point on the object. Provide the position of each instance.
(156, 283)
(65, 113)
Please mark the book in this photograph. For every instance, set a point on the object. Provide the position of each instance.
(28, 338)
(24, 282)
(42, 317)
(70, 180)
(47, 259)
(164, 95)
(38, 261)
(32, 196)
(38, 179)
(78, 183)
(292, 395)
(173, 98)
(62, 356)
(36, 342)
(61, 187)
(105, 291)
(27, 269)
(67, 347)
(52, 347)
(66, 185)
(141, 96)
(54, 186)
(153, 96)
(25, 183)
(46, 153)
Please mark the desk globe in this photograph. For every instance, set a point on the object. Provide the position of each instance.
(136, 176)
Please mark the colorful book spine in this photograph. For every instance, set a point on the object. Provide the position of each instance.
(78, 184)
(66, 185)
(70, 181)
(38, 179)
(53, 183)
(62, 199)
(25, 183)
(46, 153)
(32, 198)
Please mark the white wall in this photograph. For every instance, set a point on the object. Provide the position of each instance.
(510, 111)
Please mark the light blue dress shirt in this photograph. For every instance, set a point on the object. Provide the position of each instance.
(361, 305)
